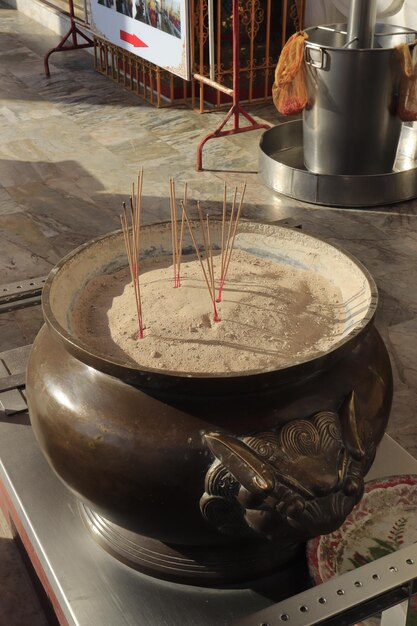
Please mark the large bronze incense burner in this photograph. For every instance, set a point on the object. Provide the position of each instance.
(206, 478)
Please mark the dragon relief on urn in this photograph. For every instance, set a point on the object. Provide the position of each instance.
(292, 483)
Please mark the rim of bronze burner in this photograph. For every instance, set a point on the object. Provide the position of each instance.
(245, 382)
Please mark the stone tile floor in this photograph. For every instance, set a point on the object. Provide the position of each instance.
(70, 148)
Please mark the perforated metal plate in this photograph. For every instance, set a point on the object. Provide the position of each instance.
(21, 294)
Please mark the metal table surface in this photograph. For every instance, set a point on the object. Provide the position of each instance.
(93, 588)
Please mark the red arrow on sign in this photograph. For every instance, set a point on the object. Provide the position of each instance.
(135, 41)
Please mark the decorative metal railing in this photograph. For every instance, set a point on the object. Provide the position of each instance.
(264, 27)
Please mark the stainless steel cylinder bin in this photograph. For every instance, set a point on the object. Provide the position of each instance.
(350, 125)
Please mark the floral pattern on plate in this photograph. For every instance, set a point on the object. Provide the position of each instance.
(384, 521)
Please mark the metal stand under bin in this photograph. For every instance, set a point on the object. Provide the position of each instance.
(281, 167)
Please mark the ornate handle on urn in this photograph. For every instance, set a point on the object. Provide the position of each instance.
(294, 483)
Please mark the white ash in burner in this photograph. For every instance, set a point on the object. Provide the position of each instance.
(272, 315)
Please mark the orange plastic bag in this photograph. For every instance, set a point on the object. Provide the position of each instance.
(407, 104)
(289, 91)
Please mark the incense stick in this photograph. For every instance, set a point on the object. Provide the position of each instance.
(175, 225)
(173, 236)
(223, 229)
(229, 232)
(125, 228)
(176, 242)
(232, 231)
(138, 210)
(132, 247)
(212, 294)
(135, 273)
(203, 232)
(181, 237)
(242, 195)
(211, 265)
(209, 259)
(139, 205)
(231, 220)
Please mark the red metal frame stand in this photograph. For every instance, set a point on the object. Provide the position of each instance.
(73, 32)
(237, 110)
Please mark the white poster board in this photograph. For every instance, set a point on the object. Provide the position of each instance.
(156, 30)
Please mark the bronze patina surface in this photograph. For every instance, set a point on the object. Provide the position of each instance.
(243, 466)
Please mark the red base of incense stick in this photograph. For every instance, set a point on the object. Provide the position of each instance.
(138, 334)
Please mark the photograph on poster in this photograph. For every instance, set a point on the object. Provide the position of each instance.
(156, 30)
(125, 7)
(162, 14)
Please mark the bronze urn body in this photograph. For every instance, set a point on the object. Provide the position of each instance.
(208, 478)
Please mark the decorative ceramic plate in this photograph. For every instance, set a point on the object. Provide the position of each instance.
(384, 521)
